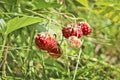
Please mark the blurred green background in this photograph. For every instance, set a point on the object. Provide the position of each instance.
(20, 20)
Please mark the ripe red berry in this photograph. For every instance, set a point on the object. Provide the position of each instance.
(66, 31)
(86, 29)
(74, 42)
(45, 41)
(56, 52)
(71, 30)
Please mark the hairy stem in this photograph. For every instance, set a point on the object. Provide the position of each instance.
(80, 51)
(5, 56)
(3, 46)
(67, 65)
(44, 16)
(4, 61)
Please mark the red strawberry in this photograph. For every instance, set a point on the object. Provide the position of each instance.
(77, 32)
(40, 41)
(72, 30)
(45, 41)
(66, 31)
(50, 43)
(86, 29)
(56, 52)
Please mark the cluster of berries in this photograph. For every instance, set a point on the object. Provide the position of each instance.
(73, 32)
(46, 41)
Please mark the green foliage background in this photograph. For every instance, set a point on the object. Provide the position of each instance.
(20, 20)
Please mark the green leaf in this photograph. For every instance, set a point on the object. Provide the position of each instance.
(18, 23)
(83, 2)
(102, 3)
(107, 3)
(2, 26)
(39, 27)
(38, 4)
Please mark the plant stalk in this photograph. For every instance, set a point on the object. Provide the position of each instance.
(80, 51)
(3, 46)
(67, 65)
(5, 56)
(4, 62)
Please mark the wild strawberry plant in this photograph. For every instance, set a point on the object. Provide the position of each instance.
(59, 40)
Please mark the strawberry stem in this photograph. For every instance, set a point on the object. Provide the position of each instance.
(2, 51)
(80, 51)
(67, 65)
(4, 42)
